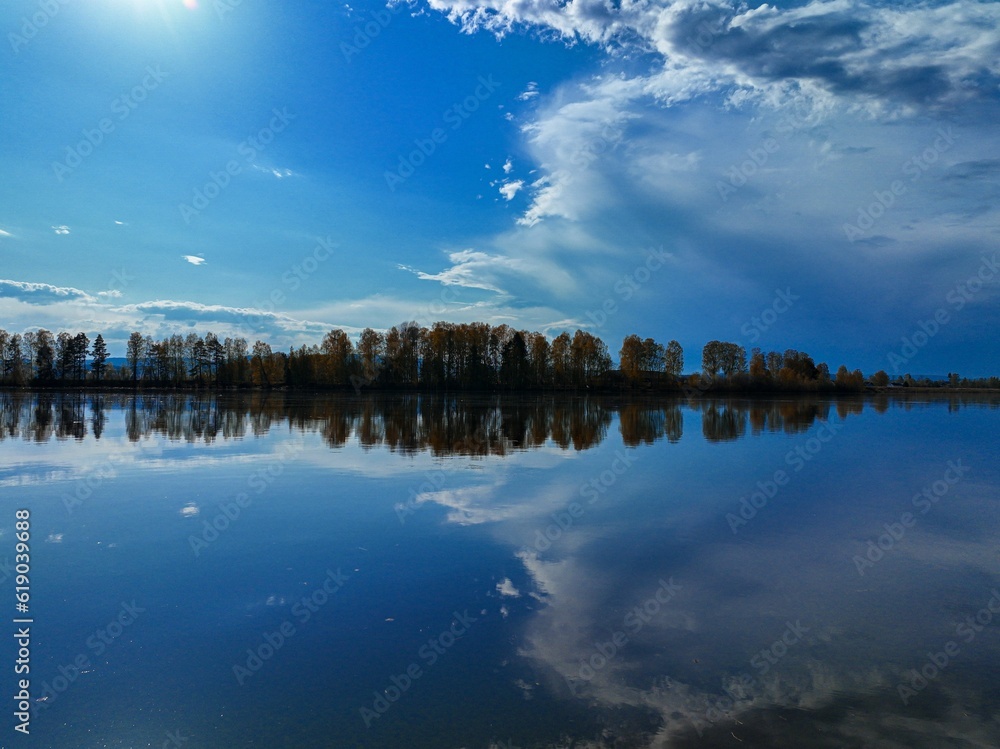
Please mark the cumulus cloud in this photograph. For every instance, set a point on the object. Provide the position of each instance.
(41, 293)
(885, 57)
(194, 259)
(511, 188)
(824, 58)
(61, 229)
(506, 588)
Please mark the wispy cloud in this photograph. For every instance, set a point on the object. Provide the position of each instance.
(248, 317)
(61, 229)
(194, 259)
(275, 172)
(529, 93)
(472, 269)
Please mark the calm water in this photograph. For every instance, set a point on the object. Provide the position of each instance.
(272, 571)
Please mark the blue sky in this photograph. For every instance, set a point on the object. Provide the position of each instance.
(823, 176)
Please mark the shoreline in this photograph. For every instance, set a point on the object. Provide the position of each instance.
(682, 391)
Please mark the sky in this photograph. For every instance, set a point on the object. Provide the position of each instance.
(822, 176)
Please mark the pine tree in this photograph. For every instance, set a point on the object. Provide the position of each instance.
(99, 355)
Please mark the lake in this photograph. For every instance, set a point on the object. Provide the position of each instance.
(279, 570)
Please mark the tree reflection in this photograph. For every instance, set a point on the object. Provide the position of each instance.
(443, 424)
(643, 423)
(723, 421)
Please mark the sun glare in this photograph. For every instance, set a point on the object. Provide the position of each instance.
(164, 4)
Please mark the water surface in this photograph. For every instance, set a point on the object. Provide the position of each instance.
(321, 571)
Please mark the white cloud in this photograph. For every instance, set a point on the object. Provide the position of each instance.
(382, 311)
(249, 319)
(274, 172)
(884, 58)
(41, 293)
(582, 126)
(506, 588)
(529, 93)
(508, 166)
(472, 269)
(194, 259)
(5, 233)
(510, 189)
(60, 229)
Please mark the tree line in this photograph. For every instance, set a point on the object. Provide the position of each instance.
(445, 424)
(459, 356)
